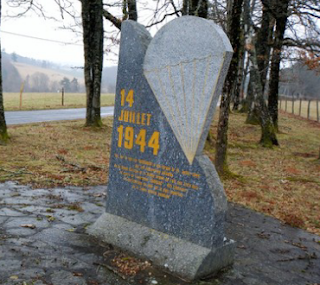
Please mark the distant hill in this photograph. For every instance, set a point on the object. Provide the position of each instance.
(26, 70)
(46, 76)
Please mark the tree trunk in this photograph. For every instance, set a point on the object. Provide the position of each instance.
(200, 8)
(132, 10)
(237, 84)
(195, 8)
(281, 14)
(184, 9)
(268, 134)
(3, 126)
(264, 37)
(236, 91)
(234, 34)
(253, 115)
(244, 88)
(92, 23)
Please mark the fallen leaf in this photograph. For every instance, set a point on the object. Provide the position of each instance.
(77, 274)
(30, 226)
(93, 282)
(305, 155)
(128, 265)
(99, 195)
(247, 163)
(70, 230)
(50, 218)
(62, 151)
(14, 277)
(292, 170)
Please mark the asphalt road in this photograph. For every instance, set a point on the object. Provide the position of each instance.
(26, 117)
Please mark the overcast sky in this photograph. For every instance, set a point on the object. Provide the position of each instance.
(29, 27)
(19, 34)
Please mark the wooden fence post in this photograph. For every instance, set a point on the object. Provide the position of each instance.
(300, 107)
(309, 103)
(286, 104)
(62, 97)
(280, 102)
(21, 91)
(318, 118)
(292, 110)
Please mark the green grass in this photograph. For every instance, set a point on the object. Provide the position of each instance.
(42, 101)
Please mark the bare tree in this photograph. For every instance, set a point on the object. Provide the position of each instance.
(129, 12)
(195, 8)
(268, 134)
(290, 16)
(217, 11)
(303, 31)
(280, 13)
(3, 126)
(92, 24)
(39, 82)
(222, 135)
(264, 41)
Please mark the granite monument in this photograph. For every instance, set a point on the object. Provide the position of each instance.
(165, 201)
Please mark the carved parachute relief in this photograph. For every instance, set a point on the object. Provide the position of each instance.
(186, 87)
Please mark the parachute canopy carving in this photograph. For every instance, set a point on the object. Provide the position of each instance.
(186, 75)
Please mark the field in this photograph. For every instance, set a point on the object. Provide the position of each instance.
(304, 108)
(39, 101)
(283, 182)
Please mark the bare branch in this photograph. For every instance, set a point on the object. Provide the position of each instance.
(115, 21)
(160, 21)
(175, 8)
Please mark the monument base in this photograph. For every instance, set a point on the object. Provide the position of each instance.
(180, 257)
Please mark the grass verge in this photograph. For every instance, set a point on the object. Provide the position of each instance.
(54, 154)
(283, 182)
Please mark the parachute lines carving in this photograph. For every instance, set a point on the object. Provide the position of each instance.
(177, 87)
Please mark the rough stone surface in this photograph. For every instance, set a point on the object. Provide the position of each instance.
(50, 250)
(267, 251)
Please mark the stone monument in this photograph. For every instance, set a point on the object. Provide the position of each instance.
(165, 201)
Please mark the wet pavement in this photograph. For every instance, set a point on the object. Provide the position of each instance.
(43, 240)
